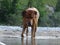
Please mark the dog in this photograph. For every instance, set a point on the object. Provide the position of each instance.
(30, 18)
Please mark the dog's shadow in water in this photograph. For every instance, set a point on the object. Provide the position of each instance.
(28, 41)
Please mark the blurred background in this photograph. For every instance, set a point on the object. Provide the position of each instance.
(10, 12)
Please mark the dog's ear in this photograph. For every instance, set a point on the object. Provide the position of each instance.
(24, 13)
(35, 12)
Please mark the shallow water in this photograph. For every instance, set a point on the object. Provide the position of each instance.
(29, 41)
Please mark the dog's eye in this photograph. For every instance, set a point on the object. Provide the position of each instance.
(29, 14)
(35, 12)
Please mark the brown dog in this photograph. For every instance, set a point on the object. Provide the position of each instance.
(30, 18)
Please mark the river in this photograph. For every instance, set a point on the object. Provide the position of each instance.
(29, 41)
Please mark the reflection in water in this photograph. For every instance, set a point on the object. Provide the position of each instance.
(27, 42)
(33, 41)
(24, 42)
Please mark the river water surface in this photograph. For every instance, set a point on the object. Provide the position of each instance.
(29, 41)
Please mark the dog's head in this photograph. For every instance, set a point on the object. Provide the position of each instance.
(29, 13)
